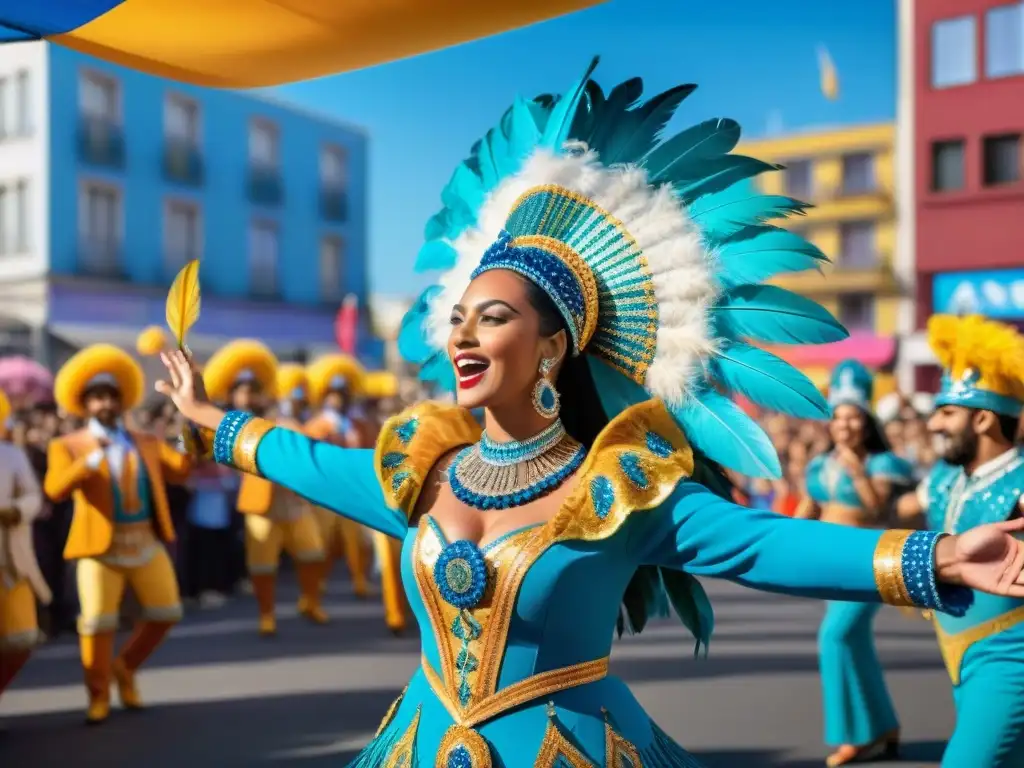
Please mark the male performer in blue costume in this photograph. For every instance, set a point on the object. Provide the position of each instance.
(979, 479)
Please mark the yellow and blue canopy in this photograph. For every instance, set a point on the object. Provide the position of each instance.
(255, 43)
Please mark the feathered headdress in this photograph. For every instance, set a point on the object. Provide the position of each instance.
(983, 363)
(655, 252)
(658, 249)
(851, 384)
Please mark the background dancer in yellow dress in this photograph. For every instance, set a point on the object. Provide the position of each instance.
(334, 380)
(244, 373)
(21, 581)
(117, 478)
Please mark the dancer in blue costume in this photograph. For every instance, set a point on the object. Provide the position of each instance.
(853, 485)
(594, 298)
(979, 481)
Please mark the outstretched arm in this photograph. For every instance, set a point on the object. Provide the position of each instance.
(701, 533)
(342, 480)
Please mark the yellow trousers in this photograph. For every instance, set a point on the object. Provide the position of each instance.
(343, 536)
(389, 556)
(101, 584)
(300, 537)
(19, 628)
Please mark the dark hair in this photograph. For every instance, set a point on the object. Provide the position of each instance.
(875, 440)
(1009, 427)
(582, 413)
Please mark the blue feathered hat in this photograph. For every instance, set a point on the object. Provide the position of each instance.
(851, 384)
(655, 250)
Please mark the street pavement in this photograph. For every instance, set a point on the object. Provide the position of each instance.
(218, 696)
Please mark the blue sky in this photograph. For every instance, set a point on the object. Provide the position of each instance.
(754, 60)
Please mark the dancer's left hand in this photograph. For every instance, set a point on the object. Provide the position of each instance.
(989, 558)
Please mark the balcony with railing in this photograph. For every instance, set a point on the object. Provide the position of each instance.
(333, 204)
(264, 185)
(183, 163)
(100, 258)
(101, 143)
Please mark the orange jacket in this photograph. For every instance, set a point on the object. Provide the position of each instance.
(92, 525)
(256, 494)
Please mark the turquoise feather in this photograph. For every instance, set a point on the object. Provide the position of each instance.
(760, 252)
(643, 126)
(723, 433)
(413, 344)
(691, 604)
(713, 174)
(708, 139)
(727, 212)
(435, 255)
(774, 315)
(607, 123)
(559, 123)
(766, 380)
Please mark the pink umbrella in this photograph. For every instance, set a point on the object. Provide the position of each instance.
(26, 380)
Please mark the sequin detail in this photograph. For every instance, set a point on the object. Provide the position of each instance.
(392, 459)
(228, 430)
(463, 747)
(602, 494)
(406, 430)
(632, 468)
(658, 445)
(461, 574)
(918, 564)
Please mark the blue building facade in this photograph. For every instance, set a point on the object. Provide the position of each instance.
(146, 174)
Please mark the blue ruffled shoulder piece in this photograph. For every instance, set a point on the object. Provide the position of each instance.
(716, 188)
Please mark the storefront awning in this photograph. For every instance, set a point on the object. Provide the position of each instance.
(872, 350)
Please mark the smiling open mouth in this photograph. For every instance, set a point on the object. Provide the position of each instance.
(471, 370)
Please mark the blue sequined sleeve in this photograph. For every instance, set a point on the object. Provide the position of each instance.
(703, 534)
(343, 480)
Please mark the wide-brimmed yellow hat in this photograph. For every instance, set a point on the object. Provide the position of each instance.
(100, 364)
(241, 361)
(334, 372)
(378, 385)
(151, 341)
(291, 382)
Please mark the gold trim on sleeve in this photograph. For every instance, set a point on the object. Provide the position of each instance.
(888, 566)
(243, 452)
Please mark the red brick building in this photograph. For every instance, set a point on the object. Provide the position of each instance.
(961, 200)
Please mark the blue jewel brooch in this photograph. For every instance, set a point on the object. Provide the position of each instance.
(461, 575)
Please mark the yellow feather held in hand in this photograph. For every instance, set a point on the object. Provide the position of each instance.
(183, 302)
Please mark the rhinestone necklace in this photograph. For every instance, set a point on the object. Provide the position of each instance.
(492, 475)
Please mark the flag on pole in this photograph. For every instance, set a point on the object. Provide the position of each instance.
(828, 75)
(346, 324)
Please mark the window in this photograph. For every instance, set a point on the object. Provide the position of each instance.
(954, 52)
(857, 311)
(263, 258)
(98, 97)
(799, 179)
(181, 120)
(947, 165)
(99, 225)
(263, 144)
(858, 174)
(1004, 40)
(1001, 159)
(333, 167)
(23, 103)
(332, 261)
(182, 234)
(857, 245)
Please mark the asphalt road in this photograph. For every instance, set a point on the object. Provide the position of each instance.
(218, 696)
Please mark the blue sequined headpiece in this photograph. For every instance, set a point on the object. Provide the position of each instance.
(851, 384)
(964, 391)
(592, 269)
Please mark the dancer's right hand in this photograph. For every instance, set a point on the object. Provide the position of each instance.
(185, 387)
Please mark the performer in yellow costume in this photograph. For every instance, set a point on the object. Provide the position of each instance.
(333, 381)
(21, 581)
(116, 477)
(244, 374)
(378, 388)
(292, 392)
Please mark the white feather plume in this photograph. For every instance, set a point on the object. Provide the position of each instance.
(681, 267)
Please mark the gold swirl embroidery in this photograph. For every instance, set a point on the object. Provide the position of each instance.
(618, 752)
(404, 753)
(458, 737)
(518, 693)
(557, 750)
(954, 645)
(888, 568)
(411, 443)
(390, 714)
(243, 452)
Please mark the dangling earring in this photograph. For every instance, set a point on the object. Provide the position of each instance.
(545, 397)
